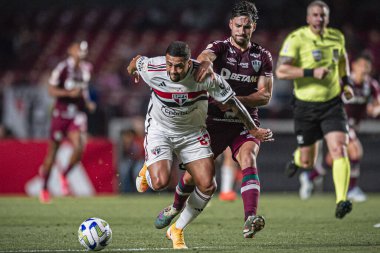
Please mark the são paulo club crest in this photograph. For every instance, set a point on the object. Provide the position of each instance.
(180, 98)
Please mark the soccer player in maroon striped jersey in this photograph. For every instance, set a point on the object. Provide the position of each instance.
(68, 83)
(247, 67)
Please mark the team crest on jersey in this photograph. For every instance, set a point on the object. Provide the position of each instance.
(156, 150)
(256, 64)
(317, 54)
(336, 55)
(180, 98)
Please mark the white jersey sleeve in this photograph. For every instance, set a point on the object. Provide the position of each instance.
(219, 89)
(148, 67)
(56, 74)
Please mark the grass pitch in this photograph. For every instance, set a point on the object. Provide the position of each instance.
(292, 225)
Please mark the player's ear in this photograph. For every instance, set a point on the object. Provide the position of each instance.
(230, 24)
(254, 26)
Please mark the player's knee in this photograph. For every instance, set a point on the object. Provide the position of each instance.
(159, 183)
(207, 188)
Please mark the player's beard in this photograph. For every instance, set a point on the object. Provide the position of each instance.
(241, 41)
(175, 77)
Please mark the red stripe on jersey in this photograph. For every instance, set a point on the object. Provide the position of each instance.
(156, 66)
(168, 95)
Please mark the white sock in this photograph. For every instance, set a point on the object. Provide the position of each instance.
(194, 206)
(228, 179)
(149, 180)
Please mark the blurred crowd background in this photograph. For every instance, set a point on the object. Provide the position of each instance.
(36, 33)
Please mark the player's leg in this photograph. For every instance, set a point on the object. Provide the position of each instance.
(228, 175)
(355, 153)
(203, 173)
(76, 134)
(46, 168)
(157, 167)
(337, 145)
(250, 187)
(183, 190)
(307, 176)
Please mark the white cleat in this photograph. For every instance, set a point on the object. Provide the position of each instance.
(356, 194)
(307, 186)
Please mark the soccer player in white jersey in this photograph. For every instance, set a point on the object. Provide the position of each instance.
(176, 122)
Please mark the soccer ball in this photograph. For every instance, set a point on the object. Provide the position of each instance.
(94, 234)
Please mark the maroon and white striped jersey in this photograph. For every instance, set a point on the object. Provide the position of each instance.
(179, 107)
(67, 76)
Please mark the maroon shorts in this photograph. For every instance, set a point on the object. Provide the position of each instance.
(60, 126)
(225, 135)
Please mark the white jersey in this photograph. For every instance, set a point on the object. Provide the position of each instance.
(179, 107)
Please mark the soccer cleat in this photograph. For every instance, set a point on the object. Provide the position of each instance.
(307, 186)
(227, 196)
(165, 217)
(45, 197)
(343, 208)
(177, 237)
(64, 185)
(141, 182)
(291, 169)
(356, 194)
(253, 225)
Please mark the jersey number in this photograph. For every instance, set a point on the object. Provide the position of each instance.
(204, 140)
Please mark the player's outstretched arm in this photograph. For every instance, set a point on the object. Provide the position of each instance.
(286, 70)
(206, 59)
(238, 108)
(132, 68)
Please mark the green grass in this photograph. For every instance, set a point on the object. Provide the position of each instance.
(292, 225)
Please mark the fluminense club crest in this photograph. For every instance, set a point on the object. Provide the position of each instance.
(180, 98)
(256, 64)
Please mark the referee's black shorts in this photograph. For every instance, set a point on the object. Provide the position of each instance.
(313, 120)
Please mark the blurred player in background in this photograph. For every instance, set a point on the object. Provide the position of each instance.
(228, 174)
(68, 84)
(176, 122)
(365, 103)
(248, 69)
(315, 57)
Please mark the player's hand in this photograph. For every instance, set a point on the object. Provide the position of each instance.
(205, 68)
(262, 134)
(74, 93)
(320, 73)
(91, 106)
(132, 69)
(348, 92)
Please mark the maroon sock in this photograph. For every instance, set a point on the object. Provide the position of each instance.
(313, 174)
(45, 179)
(182, 192)
(353, 182)
(68, 169)
(250, 191)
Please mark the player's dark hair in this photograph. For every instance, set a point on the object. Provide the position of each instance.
(245, 8)
(365, 56)
(179, 49)
(318, 3)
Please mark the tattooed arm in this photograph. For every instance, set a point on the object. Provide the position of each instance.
(241, 112)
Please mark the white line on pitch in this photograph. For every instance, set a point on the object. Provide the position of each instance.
(107, 250)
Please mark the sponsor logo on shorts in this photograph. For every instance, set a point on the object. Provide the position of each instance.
(300, 139)
(156, 150)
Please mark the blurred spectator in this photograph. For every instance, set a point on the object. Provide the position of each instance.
(131, 159)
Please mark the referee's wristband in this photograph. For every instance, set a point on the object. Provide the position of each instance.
(308, 72)
(346, 80)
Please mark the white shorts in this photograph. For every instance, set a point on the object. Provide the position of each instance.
(188, 147)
